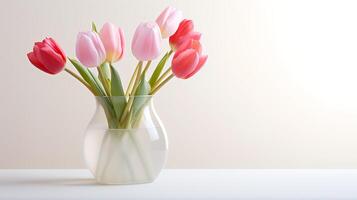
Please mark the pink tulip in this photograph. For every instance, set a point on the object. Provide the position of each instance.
(89, 49)
(48, 56)
(169, 21)
(146, 43)
(188, 60)
(113, 41)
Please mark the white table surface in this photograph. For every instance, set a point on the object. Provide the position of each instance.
(183, 184)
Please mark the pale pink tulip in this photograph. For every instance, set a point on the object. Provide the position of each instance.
(113, 41)
(89, 49)
(146, 43)
(169, 21)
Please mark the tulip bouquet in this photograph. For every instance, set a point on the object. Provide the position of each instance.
(99, 50)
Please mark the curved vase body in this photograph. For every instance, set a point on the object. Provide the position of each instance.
(135, 154)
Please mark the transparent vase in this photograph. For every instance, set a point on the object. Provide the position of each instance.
(128, 149)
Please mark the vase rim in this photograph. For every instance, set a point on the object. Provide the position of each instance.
(126, 96)
(124, 129)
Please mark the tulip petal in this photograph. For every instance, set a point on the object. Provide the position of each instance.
(86, 51)
(51, 60)
(47, 56)
(110, 38)
(184, 63)
(32, 58)
(154, 44)
(187, 37)
(122, 43)
(185, 27)
(202, 61)
(146, 43)
(190, 44)
(169, 21)
(172, 23)
(98, 44)
(164, 15)
(53, 44)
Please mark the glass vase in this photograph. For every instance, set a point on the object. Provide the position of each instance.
(125, 148)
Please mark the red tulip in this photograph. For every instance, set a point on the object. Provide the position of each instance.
(48, 56)
(184, 33)
(188, 60)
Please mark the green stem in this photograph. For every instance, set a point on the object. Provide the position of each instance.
(161, 84)
(80, 79)
(131, 83)
(104, 81)
(146, 67)
(156, 73)
(131, 97)
(162, 77)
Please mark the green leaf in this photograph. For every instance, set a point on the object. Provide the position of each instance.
(104, 79)
(155, 75)
(109, 113)
(105, 68)
(89, 77)
(143, 87)
(85, 75)
(108, 104)
(98, 88)
(81, 70)
(141, 99)
(116, 85)
(97, 83)
(117, 91)
(94, 27)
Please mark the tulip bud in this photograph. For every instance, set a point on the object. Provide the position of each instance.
(169, 21)
(188, 60)
(113, 41)
(48, 56)
(184, 33)
(146, 43)
(89, 49)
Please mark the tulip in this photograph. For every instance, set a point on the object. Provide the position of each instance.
(146, 44)
(48, 56)
(188, 60)
(184, 33)
(113, 41)
(169, 21)
(90, 50)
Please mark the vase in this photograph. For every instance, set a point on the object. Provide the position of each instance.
(128, 149)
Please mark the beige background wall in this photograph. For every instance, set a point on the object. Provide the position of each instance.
(278, 91)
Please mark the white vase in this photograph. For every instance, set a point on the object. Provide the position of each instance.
(130, 155)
